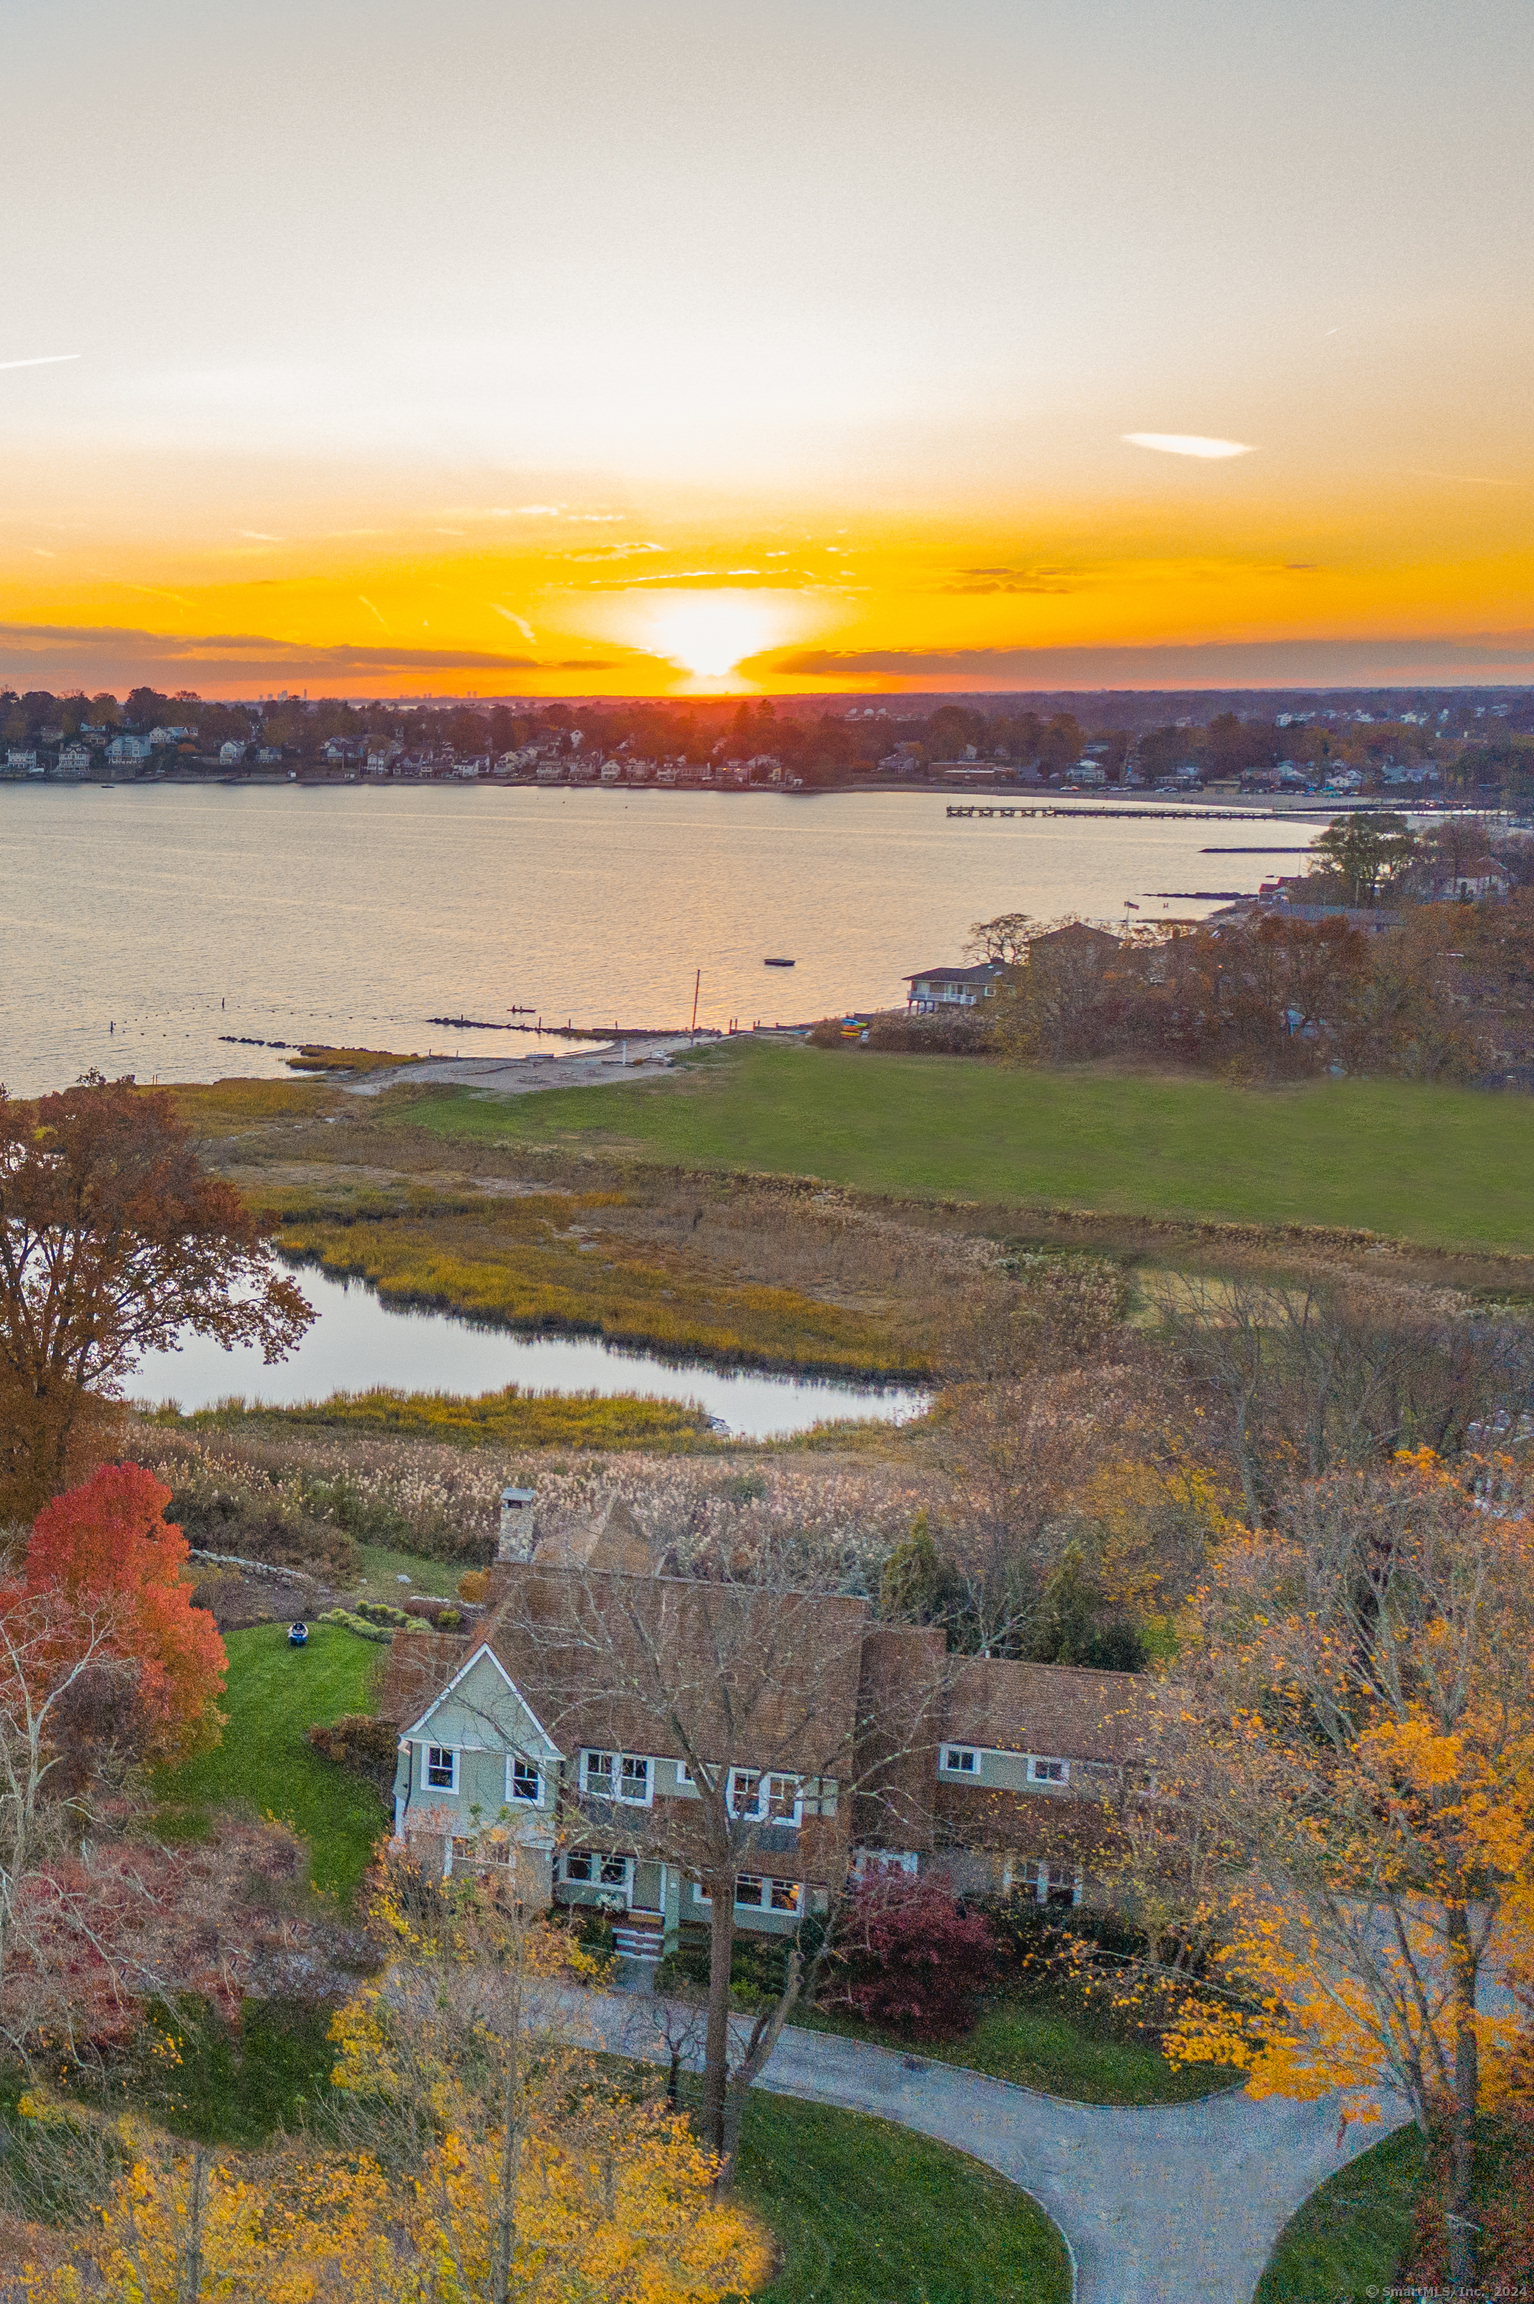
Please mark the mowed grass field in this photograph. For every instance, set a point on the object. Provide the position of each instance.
(264, 1763)
(1449, 1167)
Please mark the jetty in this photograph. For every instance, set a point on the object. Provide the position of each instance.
(1119, 815)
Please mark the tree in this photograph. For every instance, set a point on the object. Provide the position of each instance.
(51, 1648)
(1006, 938)
(107, 1547)
(112, 1241)
(748, 1672)
(909, 1955)
(1366, 851)
(1355, 1763)
(525, 2172)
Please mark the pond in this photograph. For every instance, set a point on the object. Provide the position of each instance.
(358, 1341)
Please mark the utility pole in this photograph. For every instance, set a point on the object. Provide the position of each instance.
(697, 980)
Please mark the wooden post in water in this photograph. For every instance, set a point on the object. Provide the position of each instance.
(696, 982)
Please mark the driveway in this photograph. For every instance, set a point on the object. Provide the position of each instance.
(1173, 2204)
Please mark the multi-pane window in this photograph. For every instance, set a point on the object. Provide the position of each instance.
(616, 1776)
(764, 1796)
(762, 1895)
(959, 1760)
(525, 1781)
(634, 1780)
(584, 1868)
(1049, 1771)
(441, 1768)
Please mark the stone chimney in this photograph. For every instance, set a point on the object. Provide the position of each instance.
(516, 1538)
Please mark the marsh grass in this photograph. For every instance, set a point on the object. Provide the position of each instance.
(548, 1261)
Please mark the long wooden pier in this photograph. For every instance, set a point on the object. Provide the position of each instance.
(1147, 815)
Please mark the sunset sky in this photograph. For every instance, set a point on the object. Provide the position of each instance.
(592, 347)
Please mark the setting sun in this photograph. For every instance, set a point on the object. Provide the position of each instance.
(708, 633)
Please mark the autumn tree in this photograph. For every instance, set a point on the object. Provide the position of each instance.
(113, 1240)
(519, 2168)
(1349, 1797)
(1004, 939)
(108, 1549)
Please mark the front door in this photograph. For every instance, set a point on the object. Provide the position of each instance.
(648, 1887)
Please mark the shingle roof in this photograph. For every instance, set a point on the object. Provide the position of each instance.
(1061, 1711)
(652, 1663)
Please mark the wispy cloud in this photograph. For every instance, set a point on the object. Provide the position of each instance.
(1464, 479)
(1187, 444)
(258, 536)
(512, 617)
(41, 360)
(982, 580)
(372, 611)
(1475, 657)
(118, 657)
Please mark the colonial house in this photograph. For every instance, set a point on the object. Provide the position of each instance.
(565, 1737)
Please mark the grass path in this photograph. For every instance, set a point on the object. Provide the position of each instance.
(1443, 1166)
(263, 1761)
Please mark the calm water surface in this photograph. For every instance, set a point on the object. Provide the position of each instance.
(352, 915)
(357, 1341)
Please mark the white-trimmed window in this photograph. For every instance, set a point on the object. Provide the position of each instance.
(624, 1776)
(634, 1780)
(959, 1760)
(524, 1783)
(765, 1796)
(441, 1767)
(869, 1863)
(588, 1868)
(786, 1895)
(1048, 1771)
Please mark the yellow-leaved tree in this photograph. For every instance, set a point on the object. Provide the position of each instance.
(1347, 1798)
(473, 2158)
(519, 2167)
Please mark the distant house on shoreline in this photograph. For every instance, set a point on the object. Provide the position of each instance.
(934, 988)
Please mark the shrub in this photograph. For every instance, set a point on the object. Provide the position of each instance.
(474, 1586)
(909, 1955)
(441, 1615)
(360, 1742)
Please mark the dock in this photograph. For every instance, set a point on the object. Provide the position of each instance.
(1120, 815)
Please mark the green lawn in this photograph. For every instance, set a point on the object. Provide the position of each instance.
(1446, 1166)
(1035, 2044)
(1350, 2236)
(263, 1762)
(866, 2213)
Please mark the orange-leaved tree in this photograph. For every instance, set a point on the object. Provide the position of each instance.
(113, 1240)
(1355, 1772)
(107, 1547)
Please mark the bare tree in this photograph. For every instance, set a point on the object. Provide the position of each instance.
(1311, 1374)
(53, 1650)
(746, 1687)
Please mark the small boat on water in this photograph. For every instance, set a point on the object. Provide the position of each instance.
(777, 963)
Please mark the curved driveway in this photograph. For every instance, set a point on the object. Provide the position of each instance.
(1172, 2204)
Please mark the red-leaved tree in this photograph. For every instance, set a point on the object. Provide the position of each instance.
(911, 1957)
(107, 1548)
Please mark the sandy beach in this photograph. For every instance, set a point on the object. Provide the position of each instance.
(525, 1075)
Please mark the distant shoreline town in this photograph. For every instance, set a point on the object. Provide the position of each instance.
(1416, 748)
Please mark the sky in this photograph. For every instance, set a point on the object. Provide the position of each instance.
(586, 348)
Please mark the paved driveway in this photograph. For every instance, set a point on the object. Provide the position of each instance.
(1173, 2204)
